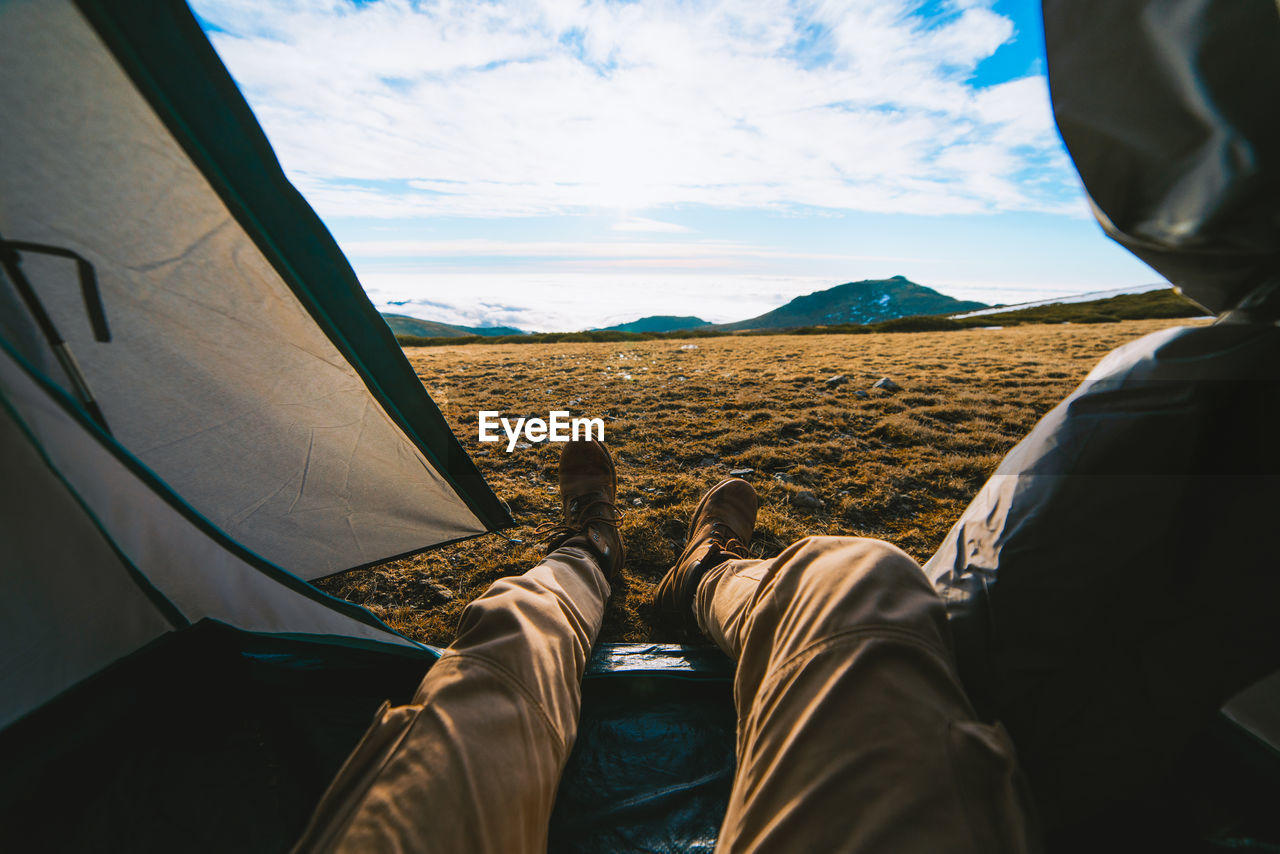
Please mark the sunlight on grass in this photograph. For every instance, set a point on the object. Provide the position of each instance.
(899, 466)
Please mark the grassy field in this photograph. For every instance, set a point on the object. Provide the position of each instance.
(679, 415)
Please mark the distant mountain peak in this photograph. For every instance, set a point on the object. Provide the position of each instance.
(659, 323)
(866, 301)
(403, 324)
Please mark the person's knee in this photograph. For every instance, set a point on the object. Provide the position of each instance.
(831, 563)
(849, 581)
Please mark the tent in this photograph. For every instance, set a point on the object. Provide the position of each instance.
(200, 412)
(188, 359)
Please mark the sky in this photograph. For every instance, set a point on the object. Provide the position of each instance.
(570, 164)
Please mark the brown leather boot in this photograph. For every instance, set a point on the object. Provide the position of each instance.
(720, 530)
(588, 485)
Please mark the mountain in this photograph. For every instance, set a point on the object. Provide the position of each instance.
(1147, 304)
(403, 324)
(1091, 296)
(867, 301)
(659, 323)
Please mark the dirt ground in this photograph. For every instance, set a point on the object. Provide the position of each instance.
(679, 415)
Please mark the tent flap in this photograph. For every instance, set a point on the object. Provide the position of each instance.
(1082, 579)
(245, 366)
(1169, 112)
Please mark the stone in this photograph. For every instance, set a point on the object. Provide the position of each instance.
(887, 384)
(837, 380)
(861, 394)
(433, 591)
(806, 500)
(743, 472)
(637, 502)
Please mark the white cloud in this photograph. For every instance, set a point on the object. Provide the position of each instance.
(690, 251)
(648, 225)
(402, 109)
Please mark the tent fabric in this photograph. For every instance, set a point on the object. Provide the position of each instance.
(192, 571)
(165, 52)
(1256, 710)
(242, 355)
(51, 637)
(1115, 580)
(1168, 110)
(188, 399)
(208, 739)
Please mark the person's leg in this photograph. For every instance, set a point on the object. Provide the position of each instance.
(472, 764)
(853, 731)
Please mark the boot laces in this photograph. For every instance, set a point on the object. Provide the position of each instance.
(597, 510)
(726, 542)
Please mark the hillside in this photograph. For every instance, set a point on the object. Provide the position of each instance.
(659, 323)
(1153, 304)
(868, 301)
(403, 324)
(1091, 296)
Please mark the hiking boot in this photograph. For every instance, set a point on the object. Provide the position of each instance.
(588, 483)
(720, 530)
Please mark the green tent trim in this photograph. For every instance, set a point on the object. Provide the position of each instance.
(171, 62)
(73, 408)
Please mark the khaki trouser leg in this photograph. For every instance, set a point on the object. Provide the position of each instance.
(853, 731)
(472, 765)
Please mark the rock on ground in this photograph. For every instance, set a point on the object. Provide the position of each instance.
(887, 384)
(805, 499)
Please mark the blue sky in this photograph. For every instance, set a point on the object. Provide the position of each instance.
(559, 164)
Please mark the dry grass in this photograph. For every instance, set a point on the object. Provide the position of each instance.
(898, 466)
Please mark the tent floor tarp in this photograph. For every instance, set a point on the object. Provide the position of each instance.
(215, 739)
